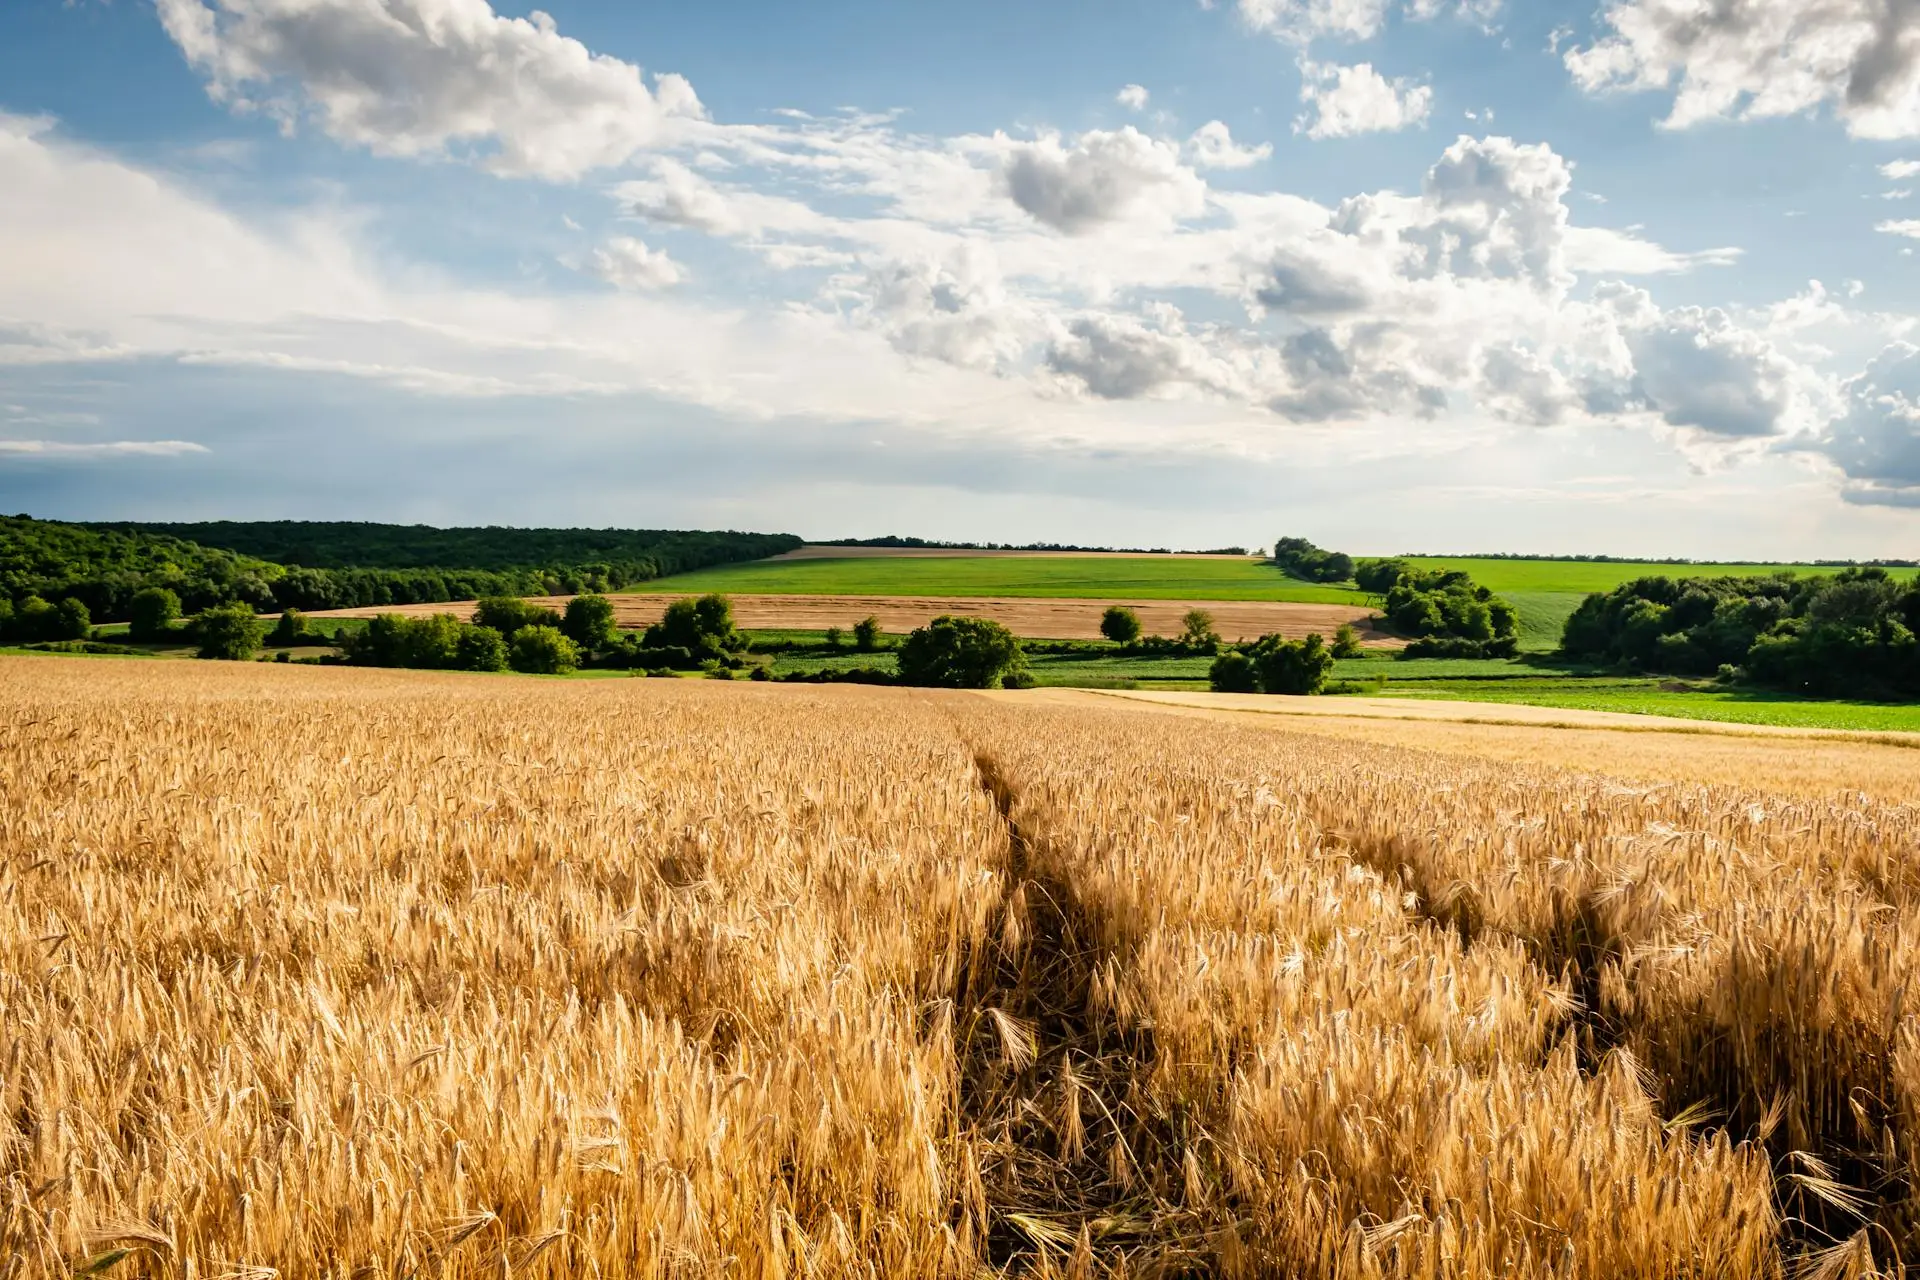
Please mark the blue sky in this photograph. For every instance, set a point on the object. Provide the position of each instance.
(1393, 274)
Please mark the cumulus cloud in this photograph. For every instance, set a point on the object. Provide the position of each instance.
(1119, 357)
(955, 308)
(1900, 170)
(676, 196)
(1212, 147)
(1304, 21)
(1698, 369)
(1876, 441)
(1345, 101)
(1908, 227)
(1753, 59)
(627, 263)
(423, 77)
(1104, 177)
(1133, 97)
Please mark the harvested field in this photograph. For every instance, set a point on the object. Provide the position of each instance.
(326, 972)
(1037, 619)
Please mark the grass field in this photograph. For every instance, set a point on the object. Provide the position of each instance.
(1642, 696)
(1582, 577)
(1064, 577)
(323, 973)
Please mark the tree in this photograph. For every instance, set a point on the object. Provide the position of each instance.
(703, 626)
(481, 649)
(289, 631)
(6, 618)
(589, 622)
(1120, 624)
(866, 634)
(1295, 667)
(1377, 577)
(71, 621)
(34, 619)
(1196, 630)
(1346, 641)
(228, 632)
(542, 651)
(960, 653)
(151, 613)
(833, 637)
(1234, 672)
(507, 614)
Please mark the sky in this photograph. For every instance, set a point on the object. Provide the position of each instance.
(1635, 277)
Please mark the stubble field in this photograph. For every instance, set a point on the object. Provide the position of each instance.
(330, 972)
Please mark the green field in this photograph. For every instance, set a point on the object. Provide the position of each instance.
(1581, 577)
(1066, 577)
(1640, 696)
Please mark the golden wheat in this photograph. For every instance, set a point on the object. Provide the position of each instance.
(335, 973)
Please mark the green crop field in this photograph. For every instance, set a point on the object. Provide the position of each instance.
(1069, 577)
(1642, 696)
(1580, 577)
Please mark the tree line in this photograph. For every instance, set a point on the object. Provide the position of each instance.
(103, 567)
(1851, 634)
(1443, 611)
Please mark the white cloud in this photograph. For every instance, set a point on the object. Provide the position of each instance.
(423, 77)
(627, 263)
(1104, 177)
(1345, 101)
(1212, 147)
(1900, 170)
(1754, 59)
(1133, 97)
(1908, 227)
(1876, 442)
(1304, 21)
(106, 449)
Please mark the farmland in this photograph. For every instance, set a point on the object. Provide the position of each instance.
(339, 972)
(1078, 577)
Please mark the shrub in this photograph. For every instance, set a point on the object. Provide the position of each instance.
(542, 651)
(228, 632)
(480, 649)
(1234, 672)
(761, 673)
(1454, 647)
(1346, 641)
(589, 622)
(151, 613)
(290, 630)
(960, 653)
(833, 637)
(507, 614)
(1120, 624)
(866, 634)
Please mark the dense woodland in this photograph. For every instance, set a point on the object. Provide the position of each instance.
(298, 565)
(1848, 634)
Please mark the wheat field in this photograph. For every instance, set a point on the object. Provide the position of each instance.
(364, 974)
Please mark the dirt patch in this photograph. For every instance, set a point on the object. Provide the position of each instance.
(1049, 619)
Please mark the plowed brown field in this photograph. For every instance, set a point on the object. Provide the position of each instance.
(1049, 619)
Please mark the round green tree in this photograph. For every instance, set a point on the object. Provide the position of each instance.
(589, 622)
(960, 653)
(1120, 624)
(1234, 673)
(542, 651)
(228, 632)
